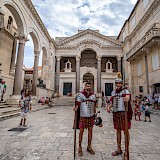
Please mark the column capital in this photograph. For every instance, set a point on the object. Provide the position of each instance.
(99, 57)
(147, 50)
(118, 58)
(36, 53)
(78, 58)
(22, 39)
(58, 58)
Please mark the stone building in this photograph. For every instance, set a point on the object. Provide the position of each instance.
(18, 19)
(68, 62)
(87, 55)
(140, 35)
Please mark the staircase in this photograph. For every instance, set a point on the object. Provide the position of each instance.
(64, 101)
(7, 112)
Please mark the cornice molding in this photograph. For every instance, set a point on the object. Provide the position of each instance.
(101, 48)
(88, 31)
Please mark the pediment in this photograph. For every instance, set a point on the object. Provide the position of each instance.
(88, 37)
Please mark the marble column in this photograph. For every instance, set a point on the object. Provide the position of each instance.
(19, 67)
(77, 74)
(35, 72)
(98, 74)
(119, 63)
(58, 73)
(12, 66)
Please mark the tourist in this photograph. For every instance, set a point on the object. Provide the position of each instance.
(25, 105)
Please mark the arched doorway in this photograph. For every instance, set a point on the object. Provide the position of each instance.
(89, 77)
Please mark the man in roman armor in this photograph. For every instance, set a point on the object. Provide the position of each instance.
(118, 99)
(86, 108)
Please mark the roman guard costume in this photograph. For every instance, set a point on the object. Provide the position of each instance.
(122, 115)
(119, 109)
(86, 117)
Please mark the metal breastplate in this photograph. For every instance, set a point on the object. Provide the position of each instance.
(118, 103)
(87, 106)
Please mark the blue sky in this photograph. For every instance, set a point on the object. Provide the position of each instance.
(65, 17)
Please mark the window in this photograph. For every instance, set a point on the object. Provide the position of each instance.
(145, 2)
(133, 20)
(155, 61)
(139, 69)
(10, 20)
(140, 88)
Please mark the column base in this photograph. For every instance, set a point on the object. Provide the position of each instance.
(34, 100)
(14, 100)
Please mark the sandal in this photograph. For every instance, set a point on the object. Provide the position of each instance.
(80, 153)
(90, 150)
(125, 156)
(116, 153)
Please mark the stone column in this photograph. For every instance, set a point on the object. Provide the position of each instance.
(58, 73)
(19, 67)
(98, 74)
(147, 50)
(35, 72)
(12, 66)
(119, 64)
(77, 74)
(147, 77)
(1, 18)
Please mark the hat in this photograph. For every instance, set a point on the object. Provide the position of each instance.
(98, 121)
(119, 79)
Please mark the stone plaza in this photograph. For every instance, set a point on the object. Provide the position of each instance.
(49, 136)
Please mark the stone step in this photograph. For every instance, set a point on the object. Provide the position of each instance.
(4, 105)
(4, 117)
(7, 111)
(14, 112)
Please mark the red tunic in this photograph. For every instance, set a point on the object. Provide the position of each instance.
(119, 117)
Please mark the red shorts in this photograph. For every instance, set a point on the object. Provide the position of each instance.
(119, 121)
(86, 122)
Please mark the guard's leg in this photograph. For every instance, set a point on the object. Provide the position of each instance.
(80, 153)
(89, 148)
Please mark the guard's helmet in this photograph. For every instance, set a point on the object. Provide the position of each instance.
(119, 79)
(98, 121)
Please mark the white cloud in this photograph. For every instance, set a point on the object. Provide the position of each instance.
(65, 17)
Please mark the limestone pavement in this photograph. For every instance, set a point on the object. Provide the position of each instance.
(49, 136)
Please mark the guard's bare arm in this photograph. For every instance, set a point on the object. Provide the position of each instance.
(108, 108)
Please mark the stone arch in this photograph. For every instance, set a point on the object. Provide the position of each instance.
(35, 38)
(88, 58)
(89, 77)
(18, 16)
(89, 46)
(45, 51)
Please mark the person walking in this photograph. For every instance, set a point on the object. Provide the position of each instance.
(25, 105)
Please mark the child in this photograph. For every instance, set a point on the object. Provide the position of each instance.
(25, 105)
(147, 112)
(137, 112)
